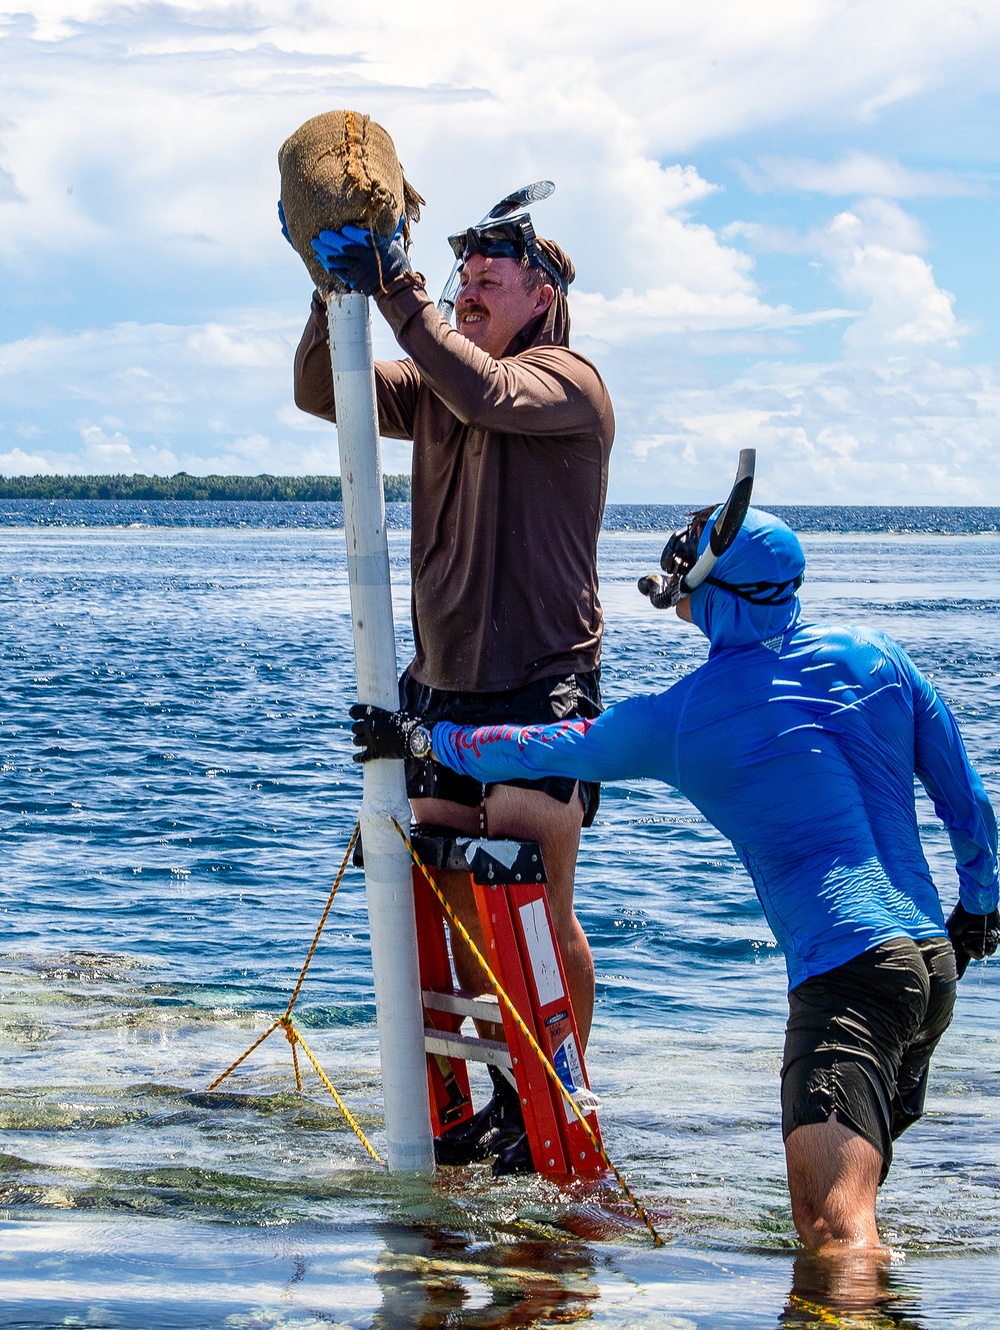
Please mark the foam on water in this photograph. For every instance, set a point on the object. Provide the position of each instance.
(176, 796)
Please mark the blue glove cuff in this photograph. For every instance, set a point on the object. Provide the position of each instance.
(284, 224)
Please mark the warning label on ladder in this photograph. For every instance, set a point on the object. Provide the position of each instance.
(541, 952)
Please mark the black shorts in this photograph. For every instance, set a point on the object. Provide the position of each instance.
(860, 1037)
(561, 697)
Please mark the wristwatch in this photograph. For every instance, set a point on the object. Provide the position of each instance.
(419, 742)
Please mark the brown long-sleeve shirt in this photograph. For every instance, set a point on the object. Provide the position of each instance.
(510, 467)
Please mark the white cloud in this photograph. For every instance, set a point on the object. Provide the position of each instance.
(19, 463)
(899, 89)
(905, 432)
(107, 453)
(872, 252)
(164, 120)
(907, 309)
(232, 348)
(9, 192)
(145, 395)
(140, 143)
(857, 173)
(161, 398)
(631, 316)
(871, 221)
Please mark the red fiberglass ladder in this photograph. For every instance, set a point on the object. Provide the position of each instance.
(508, 880)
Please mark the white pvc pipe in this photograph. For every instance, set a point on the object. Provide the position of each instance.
(388, 879)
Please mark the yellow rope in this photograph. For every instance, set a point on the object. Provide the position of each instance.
(326, 914)
(290, 1036)
(296, 1038)
(826, 1314)
(243, 1056)
(285, 1021)
(549, 1069)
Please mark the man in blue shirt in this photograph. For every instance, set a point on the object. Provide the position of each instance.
(800, 743)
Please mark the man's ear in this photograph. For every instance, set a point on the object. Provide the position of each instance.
(543, 299)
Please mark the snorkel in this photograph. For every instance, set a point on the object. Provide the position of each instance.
(686, 569)
(506, 230)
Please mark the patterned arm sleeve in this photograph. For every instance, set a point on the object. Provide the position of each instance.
(634, 738)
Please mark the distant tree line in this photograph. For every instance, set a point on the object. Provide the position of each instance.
(260, 489)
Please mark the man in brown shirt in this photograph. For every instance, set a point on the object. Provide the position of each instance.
(511, 437)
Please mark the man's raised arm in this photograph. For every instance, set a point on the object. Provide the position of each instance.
(544, 390)
(396, 381)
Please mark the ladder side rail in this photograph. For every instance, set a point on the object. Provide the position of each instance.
(542, 1114)
(447, 1074)
(551, 1001)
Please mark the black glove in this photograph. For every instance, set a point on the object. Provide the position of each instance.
(381, 733)
(363, 260)
(973, 936)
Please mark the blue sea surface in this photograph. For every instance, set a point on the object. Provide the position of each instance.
(852, 519)
(177, 794)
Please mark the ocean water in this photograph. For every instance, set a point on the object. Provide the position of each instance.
(177, 793)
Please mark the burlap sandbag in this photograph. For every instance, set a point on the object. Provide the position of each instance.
(338, 168)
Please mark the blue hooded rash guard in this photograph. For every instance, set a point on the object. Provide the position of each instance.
(799, 742)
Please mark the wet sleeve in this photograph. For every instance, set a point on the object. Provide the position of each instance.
(396, 381)
(959, 799)
(634, 738)
(544, 390)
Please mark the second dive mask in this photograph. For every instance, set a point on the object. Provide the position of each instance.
(680, 560)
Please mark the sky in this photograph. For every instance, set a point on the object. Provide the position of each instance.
(783, 217)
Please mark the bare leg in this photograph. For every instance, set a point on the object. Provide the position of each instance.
(528, 815)
(833, 1176)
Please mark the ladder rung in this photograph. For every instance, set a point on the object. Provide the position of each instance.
(483, 1007)
(467, 1046)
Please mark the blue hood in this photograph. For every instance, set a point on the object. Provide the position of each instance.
(764, 551)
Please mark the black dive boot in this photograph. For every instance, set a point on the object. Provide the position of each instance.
(516, 1158)
(487, 1132)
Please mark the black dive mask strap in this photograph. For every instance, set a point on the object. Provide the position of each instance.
(760, 593)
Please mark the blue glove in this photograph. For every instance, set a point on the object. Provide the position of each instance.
(284, 225)
(363, 260)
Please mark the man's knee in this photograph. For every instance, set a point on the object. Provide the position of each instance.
(833, 1179)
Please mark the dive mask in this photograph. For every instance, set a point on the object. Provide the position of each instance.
(680, 560)
(514, 239)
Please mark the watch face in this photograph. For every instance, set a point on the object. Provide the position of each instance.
(420, 742)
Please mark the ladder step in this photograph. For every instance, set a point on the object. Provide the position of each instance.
(467, 1046)
(490, 862)
(460, 1002)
